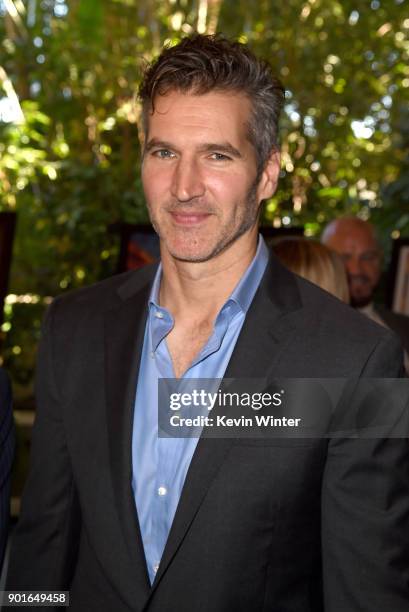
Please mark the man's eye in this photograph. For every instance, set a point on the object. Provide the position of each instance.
(369, 257)
(219, 157)
(163, 154)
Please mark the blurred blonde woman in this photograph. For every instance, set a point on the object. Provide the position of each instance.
(315, 262)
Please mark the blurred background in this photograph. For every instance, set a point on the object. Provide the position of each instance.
(69, 122)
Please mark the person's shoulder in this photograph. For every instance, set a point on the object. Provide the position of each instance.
(388, 315)
(337, 317)
(398, 323)
(107, 293)
(320, 314)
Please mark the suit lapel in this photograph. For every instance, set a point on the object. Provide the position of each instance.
(268, 327)
(269, 324)
(124, 327)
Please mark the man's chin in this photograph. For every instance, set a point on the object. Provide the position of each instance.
(198, 252)
(192, 255)
(360, 301)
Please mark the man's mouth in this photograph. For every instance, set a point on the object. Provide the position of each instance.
(189, 218)
(358, 279)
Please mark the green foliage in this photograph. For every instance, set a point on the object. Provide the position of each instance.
(71, 168)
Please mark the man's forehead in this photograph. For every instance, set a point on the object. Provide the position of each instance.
(354, 240)
(213, 106)
(352, 234)
(201, 121)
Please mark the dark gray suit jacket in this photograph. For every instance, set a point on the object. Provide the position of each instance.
(262, 525)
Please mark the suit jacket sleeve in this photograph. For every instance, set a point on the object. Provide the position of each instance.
(6, 458)
(365, 512)
(43, 548)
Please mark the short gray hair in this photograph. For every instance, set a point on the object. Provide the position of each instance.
(200, 64)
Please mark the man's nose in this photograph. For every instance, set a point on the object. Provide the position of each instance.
(187, 183)
(353, 266)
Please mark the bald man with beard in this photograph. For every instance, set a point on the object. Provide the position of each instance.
(356, 242)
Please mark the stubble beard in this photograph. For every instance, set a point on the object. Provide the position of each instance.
(360, 300)
(250, 216)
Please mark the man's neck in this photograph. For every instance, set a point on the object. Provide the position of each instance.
(199, 289)
(367, 308)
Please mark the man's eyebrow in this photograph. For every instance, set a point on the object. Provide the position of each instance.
(220, 147)
(155, 143)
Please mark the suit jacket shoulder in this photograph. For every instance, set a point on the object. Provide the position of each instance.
(104, 295)
(327, 337)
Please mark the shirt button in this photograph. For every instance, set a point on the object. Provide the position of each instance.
(162, 491)
(155, 568)
(158, 314)
(152, 354)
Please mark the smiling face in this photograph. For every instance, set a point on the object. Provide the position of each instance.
(199, 174)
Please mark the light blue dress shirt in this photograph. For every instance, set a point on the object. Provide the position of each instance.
(159, 465)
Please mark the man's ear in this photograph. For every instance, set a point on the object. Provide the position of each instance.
(269, 177)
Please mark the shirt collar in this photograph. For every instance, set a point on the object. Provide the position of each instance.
(244, 291)
(154, 295)
(247, 286)
(367, 310)
(161, 321)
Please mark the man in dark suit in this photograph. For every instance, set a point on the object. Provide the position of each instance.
(129, 521)
(355, 241)
(6, 458)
